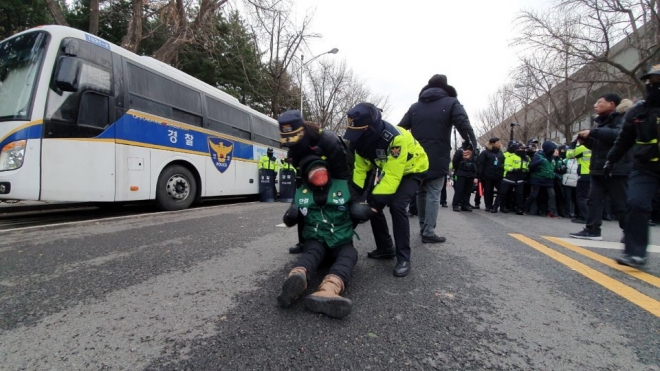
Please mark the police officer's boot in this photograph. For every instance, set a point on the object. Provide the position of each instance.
(327, 300)
(293, 286)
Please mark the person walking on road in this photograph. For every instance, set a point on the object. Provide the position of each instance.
(430, 120)
(490, 170)
(323, 203)
(304, 138)
(465, 170)
(600, 139)
(401, 164)
(639, 133)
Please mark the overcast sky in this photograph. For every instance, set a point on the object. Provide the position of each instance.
(396, 46)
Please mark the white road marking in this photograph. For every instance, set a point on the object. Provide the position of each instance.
(605, 244)
(282, 225)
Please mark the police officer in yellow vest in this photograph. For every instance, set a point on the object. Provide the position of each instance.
(269, 162)
(582, 154)
(285, 164)
(401, 164)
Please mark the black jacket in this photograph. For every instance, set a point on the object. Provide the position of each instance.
(328, 144)
(462, 167)
(490, 163)
(430, 121)
(601, 140)
(639, 132)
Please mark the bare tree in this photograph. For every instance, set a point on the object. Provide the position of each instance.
(588, 31)
(501, 107)
(334, 90)
(278, 39)
(56, 12)
(94, 17)
(133, 36)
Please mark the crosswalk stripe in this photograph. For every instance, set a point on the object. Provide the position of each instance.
(643, 301)
(643, 276)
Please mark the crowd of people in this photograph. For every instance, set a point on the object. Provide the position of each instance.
(377, 165)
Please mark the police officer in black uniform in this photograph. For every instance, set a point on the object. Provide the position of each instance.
(639, 132)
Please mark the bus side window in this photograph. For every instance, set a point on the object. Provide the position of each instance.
(94, 110)
(65, 106)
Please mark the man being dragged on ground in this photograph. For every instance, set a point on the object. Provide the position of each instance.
(326, 208)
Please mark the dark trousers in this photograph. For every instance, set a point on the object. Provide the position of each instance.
(569, 205)
(489, 186)
(443, 193)
(344, 258)
(642, 187)
(534, 193)
(400, 224)
(518, 187)
(462, 190)
(412, 208)
(616, 186)
(582, 195)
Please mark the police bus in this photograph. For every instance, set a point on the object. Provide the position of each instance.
(84, 120)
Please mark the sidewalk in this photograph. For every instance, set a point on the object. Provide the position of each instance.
(16, 206)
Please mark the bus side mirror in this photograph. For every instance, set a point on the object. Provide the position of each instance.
(68, 73)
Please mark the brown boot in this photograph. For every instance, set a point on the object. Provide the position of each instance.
(327, 300)
(294, 285)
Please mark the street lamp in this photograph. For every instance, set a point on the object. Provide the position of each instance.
(302, 66)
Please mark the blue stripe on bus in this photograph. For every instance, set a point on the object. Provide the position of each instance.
(137, 129)
(32, 131)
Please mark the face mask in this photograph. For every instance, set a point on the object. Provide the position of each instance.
(318, 177)
(653, 94)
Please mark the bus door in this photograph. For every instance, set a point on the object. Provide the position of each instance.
(78, 146)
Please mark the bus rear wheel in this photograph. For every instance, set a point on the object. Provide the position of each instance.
(176, 188)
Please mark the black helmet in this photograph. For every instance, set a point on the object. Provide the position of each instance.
(655, 70)
(269, 151)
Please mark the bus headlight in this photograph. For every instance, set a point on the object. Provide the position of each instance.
(12, 154)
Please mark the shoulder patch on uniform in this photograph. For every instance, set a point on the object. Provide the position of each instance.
(395, 151)
(387, 135)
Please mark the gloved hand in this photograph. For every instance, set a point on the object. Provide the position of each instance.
(607, 169)
(361, 211)
(291, 216)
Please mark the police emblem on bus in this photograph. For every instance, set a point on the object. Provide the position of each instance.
(221, 151)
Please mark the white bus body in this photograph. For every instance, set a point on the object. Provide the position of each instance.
(84, 120)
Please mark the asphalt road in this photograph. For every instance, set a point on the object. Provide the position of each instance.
(195, 290)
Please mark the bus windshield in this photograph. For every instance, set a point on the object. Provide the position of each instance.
(20, 61)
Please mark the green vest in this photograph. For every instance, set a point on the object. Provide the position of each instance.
(330, 224)
(546, 170)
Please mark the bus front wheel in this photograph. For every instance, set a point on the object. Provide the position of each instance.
(176, 188)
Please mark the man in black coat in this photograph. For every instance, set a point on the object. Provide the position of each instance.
(430, 120)
(639, 137)
(304, 138)
(490, 171)
(465, 170)
(600, 139)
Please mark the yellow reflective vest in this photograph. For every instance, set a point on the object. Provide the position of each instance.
(267, 163)
(583, 156)
(404, 156)
(286, 166)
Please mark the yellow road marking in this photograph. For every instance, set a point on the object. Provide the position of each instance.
(627, 292)
(643, 276)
